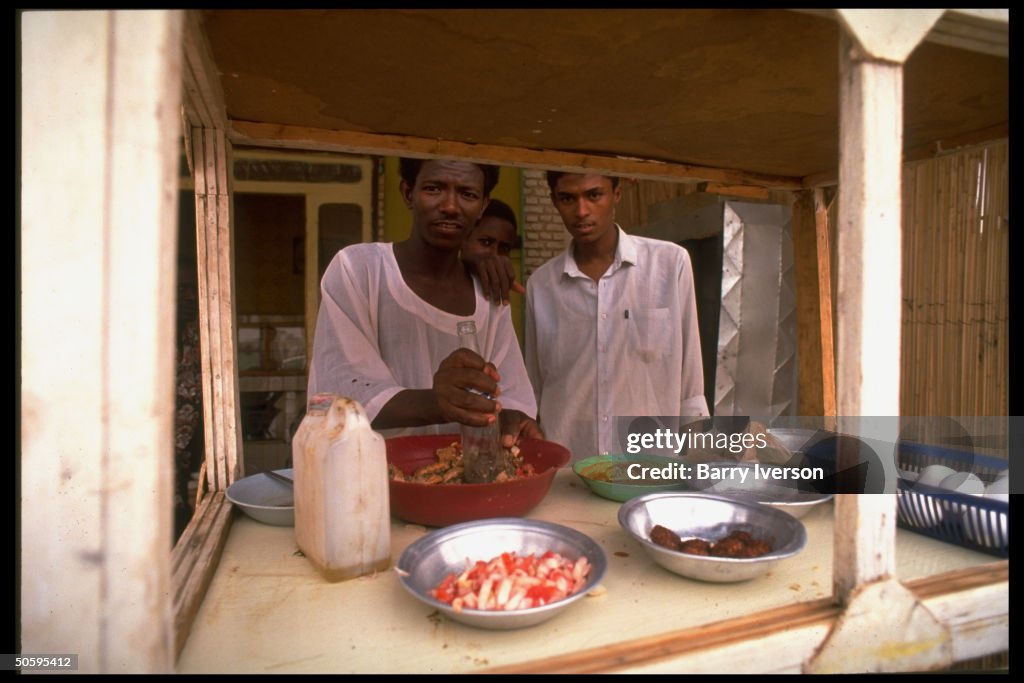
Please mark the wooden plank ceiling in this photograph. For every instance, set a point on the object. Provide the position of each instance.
(748, 90)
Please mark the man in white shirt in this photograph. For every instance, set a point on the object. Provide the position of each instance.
(386, 330)
(611, 325)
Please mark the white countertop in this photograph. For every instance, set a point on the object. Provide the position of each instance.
(269, 611)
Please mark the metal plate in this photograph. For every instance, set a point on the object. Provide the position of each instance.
(265, 499)
(426, 561)
(697, 515)
(783, 496)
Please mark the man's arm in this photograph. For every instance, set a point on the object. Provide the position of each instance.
(346, 351)
(693, 403)
(497, 277)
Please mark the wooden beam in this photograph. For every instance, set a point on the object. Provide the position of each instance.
(744, 191)
(782, 639)
(980, 30)
(203, 97)
(956, 143)
(214, 236)
(825, 325)
(194, 561)
(808, 617)
(813, 311)
(349, 142)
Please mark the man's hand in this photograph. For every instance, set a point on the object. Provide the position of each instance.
(457, 379)
(497, 276)
(515, 424)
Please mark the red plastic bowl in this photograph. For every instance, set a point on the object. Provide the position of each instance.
(444, 504)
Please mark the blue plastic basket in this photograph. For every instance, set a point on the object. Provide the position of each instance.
(969, 521)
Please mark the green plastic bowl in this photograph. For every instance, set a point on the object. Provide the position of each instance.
(608, 475)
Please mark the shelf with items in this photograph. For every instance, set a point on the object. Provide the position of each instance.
(271, 344)
(272, 376)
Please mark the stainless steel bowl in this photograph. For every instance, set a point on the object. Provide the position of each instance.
(426, 561)
(264, 498)
(697, 515)
(751, 488)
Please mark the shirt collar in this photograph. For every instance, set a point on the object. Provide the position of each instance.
(625, 252)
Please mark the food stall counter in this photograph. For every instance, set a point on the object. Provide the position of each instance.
(268, 610)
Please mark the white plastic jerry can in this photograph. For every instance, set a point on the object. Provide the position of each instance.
(342, 513)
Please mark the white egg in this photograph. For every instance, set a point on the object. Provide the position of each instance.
(964, 482)
(934, 474)
(909, 475)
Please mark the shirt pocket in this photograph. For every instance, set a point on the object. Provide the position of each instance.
(651, 333)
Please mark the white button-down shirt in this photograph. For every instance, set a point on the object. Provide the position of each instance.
(375, 337)
(627, 345)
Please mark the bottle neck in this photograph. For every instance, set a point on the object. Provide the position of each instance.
(467, 336)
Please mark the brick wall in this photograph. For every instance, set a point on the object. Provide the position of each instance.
(544, 235)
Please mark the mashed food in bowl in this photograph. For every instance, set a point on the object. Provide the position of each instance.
(449, 467)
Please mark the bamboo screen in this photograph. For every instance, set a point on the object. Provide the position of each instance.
(955, 346)
(639, 195)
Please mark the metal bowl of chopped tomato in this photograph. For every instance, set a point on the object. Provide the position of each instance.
(505, 573)
(439, 503)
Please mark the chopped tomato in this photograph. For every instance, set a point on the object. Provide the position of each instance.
(509, 582)
(541, 594)
(445, 590)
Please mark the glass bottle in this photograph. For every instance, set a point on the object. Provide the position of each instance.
(481, 446)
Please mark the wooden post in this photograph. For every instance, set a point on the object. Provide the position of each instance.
(825, 313)
(814, 305)
(195, 556)
(871, 52)
(101, 93)
(214, 240)
(206, 123)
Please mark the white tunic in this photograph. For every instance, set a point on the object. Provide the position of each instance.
(375, 337)
(627, 345)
